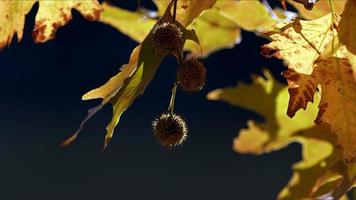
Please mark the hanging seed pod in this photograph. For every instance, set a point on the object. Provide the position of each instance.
(170, 129)
(191, 75)
(167, 38)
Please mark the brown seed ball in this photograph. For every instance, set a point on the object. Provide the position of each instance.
(191, 75)
(167, 38)
(170, 129)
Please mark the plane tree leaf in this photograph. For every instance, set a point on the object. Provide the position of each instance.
(321, 172)
(320, 8)
(347, 32)
(50, 16)
(270, 99)
(301, 42)
(338, 100)
(187, 10)
(122, 89)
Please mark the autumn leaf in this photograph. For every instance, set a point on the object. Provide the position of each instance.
(122, 89)
(136, 25)
(187, 10)
(50, 16)
(301, 42)
(321, 172)
(338, 101)
(208, 26)
(250, 15)
(320, 9)
(329, 178)
(347, 32)
(270, 99)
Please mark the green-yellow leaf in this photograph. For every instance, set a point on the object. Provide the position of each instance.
(122, 89)
(250, 15)
(187, 10)
(136, 25)
(268, 98)
(321, 173)
(50, 16)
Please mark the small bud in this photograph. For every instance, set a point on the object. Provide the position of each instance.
(167, 38)
(170, 129)
(191, 75)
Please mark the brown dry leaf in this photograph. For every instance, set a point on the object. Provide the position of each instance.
(338, 101)
(347, 29)
(301, 42)
(320, 9)
(50, 16)
(187, 10)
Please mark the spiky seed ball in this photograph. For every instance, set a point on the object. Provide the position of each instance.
(170, 129)
(191, 75)
(167, 38)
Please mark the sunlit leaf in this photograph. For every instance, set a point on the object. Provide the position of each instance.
(301, 42)
(338, 101)
(136, 25)
(320, 9)
(321, 173)
(268, 98)
(122, 89)
(50, 16)
(187, 10)
(347, 32)
(250, 15)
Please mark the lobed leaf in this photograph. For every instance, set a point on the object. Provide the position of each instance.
(320, 9)
(301, 42)
(50, 16)
(321, 173)
(122, 89)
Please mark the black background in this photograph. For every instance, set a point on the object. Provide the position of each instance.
(41, 87)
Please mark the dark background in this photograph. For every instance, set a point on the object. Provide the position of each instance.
(41, 87)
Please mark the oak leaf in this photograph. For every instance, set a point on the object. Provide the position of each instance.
(50, 16)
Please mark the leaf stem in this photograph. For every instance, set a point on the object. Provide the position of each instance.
(175, 9)
(173, 97)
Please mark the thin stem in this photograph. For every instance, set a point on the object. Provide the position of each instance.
(175, 10)
(173, 97)
(138, 4)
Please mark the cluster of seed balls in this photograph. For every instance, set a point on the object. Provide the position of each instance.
(167, 38)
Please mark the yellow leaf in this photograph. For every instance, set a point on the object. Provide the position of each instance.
(347, 32)
(320, 9)
(50, 16)
(321, 172)
(187, 10)
(122, 89)
(250, 15)
(136, 25)
(270, 99)
(338, 101)
(214, 31)
(301, 42)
